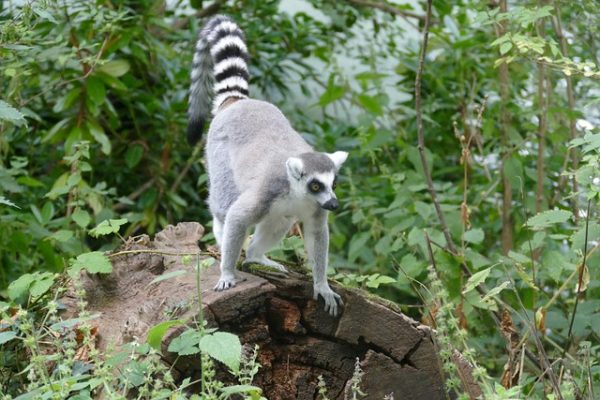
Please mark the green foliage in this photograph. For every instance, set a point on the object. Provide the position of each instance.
(92, 150)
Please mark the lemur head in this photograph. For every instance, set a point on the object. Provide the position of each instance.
(313, 175)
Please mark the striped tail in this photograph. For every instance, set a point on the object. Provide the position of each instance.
(220, 69)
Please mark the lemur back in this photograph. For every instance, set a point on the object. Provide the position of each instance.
(259, 167)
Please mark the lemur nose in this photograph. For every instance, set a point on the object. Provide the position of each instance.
(331, 204)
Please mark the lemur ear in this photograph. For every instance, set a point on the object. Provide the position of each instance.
(295, 167)
(338, 158)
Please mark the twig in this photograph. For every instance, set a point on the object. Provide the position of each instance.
(544, 361)
(209, 10)
(557, 23)
(542, 122)
(383, 6)
(580, 279)
(134, 195)
(507, 233)
(421, 135)
(90, 69)
(187, 166)
(159, 252)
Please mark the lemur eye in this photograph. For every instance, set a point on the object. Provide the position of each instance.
(315, 187)
(334, 184)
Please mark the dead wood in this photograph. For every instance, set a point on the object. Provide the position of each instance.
(298, 340)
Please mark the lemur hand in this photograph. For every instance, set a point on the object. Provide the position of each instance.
(331, 298)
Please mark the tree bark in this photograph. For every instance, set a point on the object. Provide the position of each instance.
(507, 228)
(298, 340)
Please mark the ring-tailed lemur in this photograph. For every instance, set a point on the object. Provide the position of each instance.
(261, 172)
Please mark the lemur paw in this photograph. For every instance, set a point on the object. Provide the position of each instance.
(331, 298)
(268, 263)
(225, 282)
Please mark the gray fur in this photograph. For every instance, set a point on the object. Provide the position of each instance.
(249, 142)
(203, 82)
(249, 147)
(316, 162)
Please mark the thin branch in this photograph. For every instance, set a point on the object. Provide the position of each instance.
(542, 123)
(507, 233)
(383, 6)
(134, 195)
(187, 166)
(544, 361)
(158, 252)
(421, 135)
(571, 153)
(209, 10)
(580, 279)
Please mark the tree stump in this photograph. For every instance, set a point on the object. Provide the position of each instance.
(298, 340)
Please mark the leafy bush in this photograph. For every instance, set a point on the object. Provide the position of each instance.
(92, 117)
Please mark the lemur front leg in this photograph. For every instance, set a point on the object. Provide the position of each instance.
(316, 243)
(240, 216)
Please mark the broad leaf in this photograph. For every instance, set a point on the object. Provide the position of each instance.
(474, 236)
(93, 262)
(20, 286)
(107, 227)
(157, 332)
(548, 218)
(186, 344)
(476, 279)
(115, 68)
(224, 347)
(6, 336)
(9, 113)
(81, 217)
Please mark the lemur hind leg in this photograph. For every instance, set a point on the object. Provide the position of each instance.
(218, 231)
(269, 232)
(241, 215)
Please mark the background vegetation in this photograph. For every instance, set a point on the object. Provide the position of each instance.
(504, 261)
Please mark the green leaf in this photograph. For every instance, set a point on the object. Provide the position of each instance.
(42, 284)
(186, 344)
(81, 217)
(70, 323)
(5, 201)
(157, 332)
(518, 257)
(43, 14)
(107, 227)
(375, 280)
(242, 389)
(62, 235)
(495, 291)
(98, 133)
(20, 287)
(6, 336)
(9, 113)
(370, 104)
(93, 262)
(476, 279)
(505, 47)
(115, 68)
(331, 94)
(357, 243)
(474, 236)
(548, 218)
(134, 155)
(95, 90)
(578, 238)
(224, 347)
